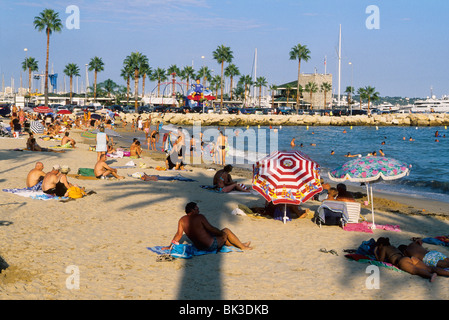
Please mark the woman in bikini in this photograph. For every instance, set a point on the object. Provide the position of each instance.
(221, 146)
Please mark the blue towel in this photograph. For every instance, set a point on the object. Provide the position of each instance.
(34, 192)
(187, 251)
(435, 241)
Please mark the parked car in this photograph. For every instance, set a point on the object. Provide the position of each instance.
(160, 109)
(144, 109)
(5, 110)
(116, 108)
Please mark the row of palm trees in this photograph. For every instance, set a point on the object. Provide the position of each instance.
(365, 93)
(136, 66)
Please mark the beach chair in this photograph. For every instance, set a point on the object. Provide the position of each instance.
(351, 208)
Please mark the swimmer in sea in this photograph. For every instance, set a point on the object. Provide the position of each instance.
(292, 143)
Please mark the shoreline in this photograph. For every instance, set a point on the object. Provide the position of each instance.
(383, 200)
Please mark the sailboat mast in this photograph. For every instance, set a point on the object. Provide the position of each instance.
(339, 67)
(255, 72)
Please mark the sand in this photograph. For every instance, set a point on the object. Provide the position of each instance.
(103, 238)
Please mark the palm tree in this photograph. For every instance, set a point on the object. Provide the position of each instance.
(187, 73)
(145, 71)
(362, 95)
(109, 86)
(232, 71)
(288, 88)
(372, 95)
(159, 75)
(311, 88)
(239, 92)
(49, 21)
(126, 73)
(273, 89)
(31, 65)
(71, 70)
(136, 60)
(247, 82)
(325, 88)
(222, 54)
(204, 73)
(215, 83)
(260, 82)
(299, 53)
(96, 65)
(349, 91)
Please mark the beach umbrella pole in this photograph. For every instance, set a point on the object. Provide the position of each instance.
(285, 214)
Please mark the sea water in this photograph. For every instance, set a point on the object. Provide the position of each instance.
(429, 160)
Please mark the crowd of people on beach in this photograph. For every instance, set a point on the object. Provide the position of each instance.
(412, 258)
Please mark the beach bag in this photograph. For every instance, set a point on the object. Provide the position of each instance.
(329, 217)
(75, 192)
(87, 172)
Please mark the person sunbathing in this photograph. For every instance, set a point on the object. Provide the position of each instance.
(224, 183)
(135, 149)
(55, 182)
(385, 252)
(102, 170)
(67, 142)
(203, 235)
(35, 175)
(33, 146)
(430, 258)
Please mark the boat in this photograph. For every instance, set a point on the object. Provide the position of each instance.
(431, 105)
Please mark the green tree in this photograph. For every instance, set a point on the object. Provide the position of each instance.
(325, 88)
(246, 81)
(136, 60)
(222, 54)
(126, 73)
(362, 95)
(231, 71)
(349, 91)
(71, 70)
(204, 73)
(96, 64)
(49, 21)
(187, 73)
(260, 83)
(146, 72)
(159, 75)
(288, 89)
(273, 89)
(371, 95)
(30, 64)
(109, 86)
(311, 88)
(299, 52)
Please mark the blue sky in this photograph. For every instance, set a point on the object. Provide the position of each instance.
(406, 56)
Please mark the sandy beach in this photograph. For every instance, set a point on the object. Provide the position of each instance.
(105, 237)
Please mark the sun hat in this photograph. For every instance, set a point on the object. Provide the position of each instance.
(56, 167)
(65, 169)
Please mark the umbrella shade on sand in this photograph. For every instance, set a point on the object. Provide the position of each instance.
(286, 177)
(370, 169)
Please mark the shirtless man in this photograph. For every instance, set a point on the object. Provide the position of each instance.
(135, 149)
(203, 235)
(55, 182)
(67, 142)
(35, 175)
(103, 170)
(223, 181)
(430, 258)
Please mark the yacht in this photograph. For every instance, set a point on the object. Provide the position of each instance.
(431, 105)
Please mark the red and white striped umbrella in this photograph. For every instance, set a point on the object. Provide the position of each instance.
(43, 109)
(287, 177)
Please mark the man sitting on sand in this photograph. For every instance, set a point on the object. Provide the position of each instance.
(67, 142)
(55, 182)
(203, 235)
(224, 183)
(102, 170)
(343, 194)
(35, 175)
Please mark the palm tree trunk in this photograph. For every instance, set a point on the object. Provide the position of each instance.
(221, 85)
(136, 87)
(143, 84)
(230, 89)
(95, 86)
(46, 69)
(297, 86)
(71, 81)
(260, 94)
(127, 90)
(158, 88)
(29, 80)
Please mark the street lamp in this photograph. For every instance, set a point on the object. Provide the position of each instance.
(26, 68)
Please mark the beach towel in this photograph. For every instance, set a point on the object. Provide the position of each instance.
(371, 260)
(439, 241)
(365, 226)
(34, 193)
(178, 177)
(88, 172)
(188, 251)
(215, 189)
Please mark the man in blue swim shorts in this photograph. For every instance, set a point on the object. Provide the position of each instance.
(430, 258)
(203, 235)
